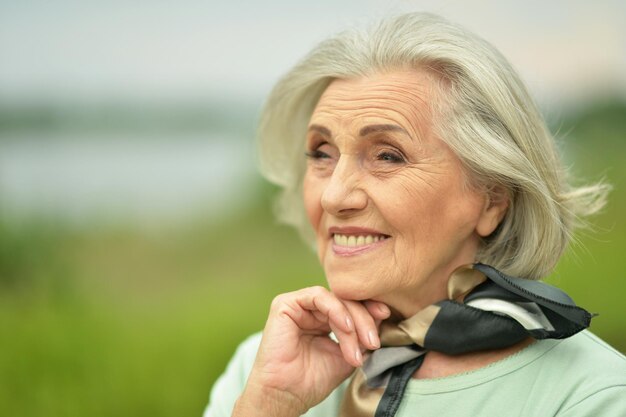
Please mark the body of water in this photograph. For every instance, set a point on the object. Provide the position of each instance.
(112, 178)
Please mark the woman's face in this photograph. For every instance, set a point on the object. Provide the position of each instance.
(388, 200)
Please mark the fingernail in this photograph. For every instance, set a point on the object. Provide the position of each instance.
(358, 356)
(349, 323)
(384, 309)
(373, 339)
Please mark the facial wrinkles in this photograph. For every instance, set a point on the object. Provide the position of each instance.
(417, 114)
(346, 109)
(414, 178)
(343, 109)
(351, 120)
(421, 185)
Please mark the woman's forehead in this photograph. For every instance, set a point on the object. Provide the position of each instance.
(410, 87)
(402, 97)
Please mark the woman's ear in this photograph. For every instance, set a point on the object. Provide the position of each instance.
(496, 205)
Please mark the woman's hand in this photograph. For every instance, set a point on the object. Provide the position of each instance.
(297, 364)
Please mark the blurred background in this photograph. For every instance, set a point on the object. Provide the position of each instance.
(137, 245)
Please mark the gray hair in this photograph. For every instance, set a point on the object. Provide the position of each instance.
(484, 113)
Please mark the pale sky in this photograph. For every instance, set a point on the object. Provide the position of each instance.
(87, 50)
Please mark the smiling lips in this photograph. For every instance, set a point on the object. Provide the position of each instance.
(350, 241)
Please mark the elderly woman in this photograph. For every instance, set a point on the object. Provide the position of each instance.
(413, 158)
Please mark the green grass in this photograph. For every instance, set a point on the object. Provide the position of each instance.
(144, 323)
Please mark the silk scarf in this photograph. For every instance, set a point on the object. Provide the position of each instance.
(485, 309)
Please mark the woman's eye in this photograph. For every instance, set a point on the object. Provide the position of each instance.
(390, 157)
(320, 151)
(317, 154)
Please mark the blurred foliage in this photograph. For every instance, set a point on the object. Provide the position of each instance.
(29, 257)
(114, 320)
(602, 122)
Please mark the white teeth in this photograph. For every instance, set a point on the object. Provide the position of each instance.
(353, 241)
(341, 240)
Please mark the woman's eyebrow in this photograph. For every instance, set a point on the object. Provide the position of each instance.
(368, 130)
(320, 129)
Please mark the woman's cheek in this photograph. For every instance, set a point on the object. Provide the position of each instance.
(312, 198)
(313, 189)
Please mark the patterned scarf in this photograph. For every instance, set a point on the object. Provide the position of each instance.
(486, 309)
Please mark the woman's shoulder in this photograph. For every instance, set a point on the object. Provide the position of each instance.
(590, 356)
(592, 375)
(585, 371)
(242, 361)
(230, 384)
(246, 352)
(593, 343)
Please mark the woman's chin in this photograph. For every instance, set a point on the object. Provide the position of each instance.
(350, 289)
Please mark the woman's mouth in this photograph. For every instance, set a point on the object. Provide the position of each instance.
(356, 241)
(351, 244)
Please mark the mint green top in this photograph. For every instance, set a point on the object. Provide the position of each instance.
(579, 376)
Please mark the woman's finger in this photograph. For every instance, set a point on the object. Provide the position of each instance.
(322, 300)
(328, 310)
(378, 310)
(349, 345)
(365, 324)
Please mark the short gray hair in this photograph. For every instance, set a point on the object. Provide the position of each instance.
(484, 114)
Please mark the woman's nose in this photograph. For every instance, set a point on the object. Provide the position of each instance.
(344, 194)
